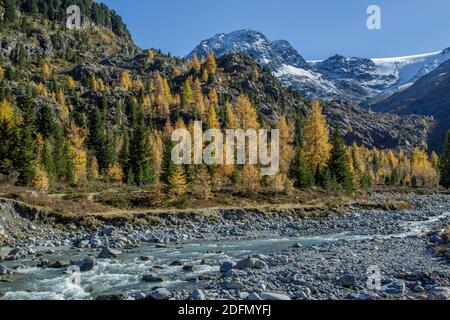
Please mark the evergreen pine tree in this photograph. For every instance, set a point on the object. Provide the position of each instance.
(140, 166)
(9, 15)
(47, 160)
(124, 156)
(100, 141)
(301, 172)
(26, 157)
(168, 167)
(339, 161)
(46, 121)
(445, 164)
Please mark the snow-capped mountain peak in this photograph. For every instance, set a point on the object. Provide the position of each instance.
(289, 55)
(338, 77)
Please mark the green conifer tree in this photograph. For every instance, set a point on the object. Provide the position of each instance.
(140, 166)
(301, 172)
(339, 162)
(445, 164)
(26, 153)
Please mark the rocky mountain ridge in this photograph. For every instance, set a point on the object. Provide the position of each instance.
(356, 79)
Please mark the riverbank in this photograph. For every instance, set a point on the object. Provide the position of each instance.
(301, 253)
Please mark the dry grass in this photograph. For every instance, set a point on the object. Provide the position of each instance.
(122, 204)
(78, 204)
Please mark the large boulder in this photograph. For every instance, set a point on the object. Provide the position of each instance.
(87, 264)
(227, 266)
(108, 253)
(274, 296)
(197, 294)
(160, 294)
(233, 285)
(152, 278)
(395, 287)
(347, 280)
(3, 270)
(248, 263)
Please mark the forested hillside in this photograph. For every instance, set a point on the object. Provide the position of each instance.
(89, 109)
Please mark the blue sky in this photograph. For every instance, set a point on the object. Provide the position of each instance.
(316, 28)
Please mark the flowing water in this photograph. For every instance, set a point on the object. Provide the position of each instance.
(124, 273)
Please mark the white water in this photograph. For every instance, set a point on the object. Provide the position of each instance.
(124, 274)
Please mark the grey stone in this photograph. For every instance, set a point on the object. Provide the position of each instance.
(439, 293)
(347, 280)
(274, 296)
(248, 263)
(59, 264)
(108, 253)
(359, 296)
(152, 278)
(87, 264)
(254, 297)
(108, 231)
(112, 297)
(233, 285)
(260, 264)
(301, 295)
(395, 287)
(3, 270)
(197, 294)
(227, 266)
(189, 268)
(83, 244)
(160, 294)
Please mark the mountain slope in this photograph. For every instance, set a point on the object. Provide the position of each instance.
(429, 96)
(279, 56)
(101, 54)
(346, 78)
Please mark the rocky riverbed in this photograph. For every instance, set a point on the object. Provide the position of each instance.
(234, 254)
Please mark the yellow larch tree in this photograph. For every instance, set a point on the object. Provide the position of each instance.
(245, 112)
(125, 80)
(93, 84)
(210, 63)
(316, 147)
(213, 97)
(94, 169)
(194, 63)
(63, 109)
(70, 83)
(6, 114)
(250, 179)
(76, 138)
(199, 100)
(115, 173)
(286, 132)
(213, 122)
(230, 118)
(177, 181)
(46, 70)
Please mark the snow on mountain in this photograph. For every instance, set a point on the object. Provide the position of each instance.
(289, 55)
(253, 43)
(338, 77)
(406, 70)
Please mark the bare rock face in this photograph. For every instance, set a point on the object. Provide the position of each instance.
(376, 129)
